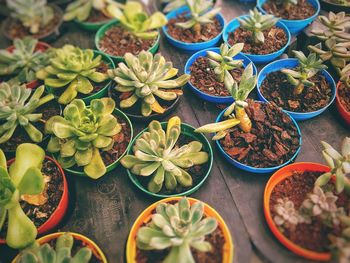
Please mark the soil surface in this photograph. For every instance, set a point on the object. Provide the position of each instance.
(275, 39)
(344, 96)
(276, 88)
(273, 140)
(204, 78)
(97, 16)
(310, 236)
(300, 11)
(117, 41)
(207, 31)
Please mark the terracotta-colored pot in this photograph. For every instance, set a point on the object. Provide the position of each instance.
(340, 107)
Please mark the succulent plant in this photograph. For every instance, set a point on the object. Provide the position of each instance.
(345, 75)
(222, 63)
(340, 245)
(135, 20)
(146, 77)
(307, 68)
(287, 3)
(23, 177)
(339, 162)
(173, 4)
(156, 154)
(17, 108)
(72, 69)
(33, 14)
(178, 227)
(239, 93)
(257, 23)
(61, 253)
(82, 132)
(286, 214)
(81, 9)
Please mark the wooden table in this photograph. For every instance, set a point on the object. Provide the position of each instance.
(105, 209)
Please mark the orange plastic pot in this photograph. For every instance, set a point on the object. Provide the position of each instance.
(61, 208)
(96, 251)
(340, 107)
(275, 179)
(145, 217)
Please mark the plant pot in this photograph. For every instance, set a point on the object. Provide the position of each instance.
(336, 8)
(145, 217)
(340, 107)
(96, 251)
(234, 24)
(101, 32)
(79, 171)
(275, 179)
(203, 95)
(46, 37)
(295, 26)
(291, 63)
(61, 209)
(188, 131)
(252, 169)
(191, 47)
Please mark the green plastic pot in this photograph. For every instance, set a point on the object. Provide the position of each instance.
(90, 26)
(112, 166)
(187, 130)
(101, 32)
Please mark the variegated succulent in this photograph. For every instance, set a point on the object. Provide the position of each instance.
(173, 4)
(145, 77)
(286, 213)
(157, 155)
(72, 69)
(179, 227)
(286, 4)
(79, 136)
(224, 62)
(18, 107)
(340, 245)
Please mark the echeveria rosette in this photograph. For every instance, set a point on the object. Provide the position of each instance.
(156, 155)
(82, 132)
(23, 177)
(177, 227)
(72, 69)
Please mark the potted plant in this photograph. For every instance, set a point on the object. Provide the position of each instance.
(146, 86)
(33, 18)
(254, 136)
(76, 73)
(20, 62)
(295, 14)
(66, 246)
(312, 199)
(301, 86)
(34, 194)
(92, 14)
(343, 94)
(133, 31)
(22, 114)
(168, 159)
(208, 68)
(187, 227)
(264, 37)
(89, 140)
(195, 26)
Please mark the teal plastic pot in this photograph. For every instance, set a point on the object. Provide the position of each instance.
(101, 32)
(187, 130)
(112, 166)
(90, 26)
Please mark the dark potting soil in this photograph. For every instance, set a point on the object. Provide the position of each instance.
(204, 78)
(20, 135)
(97, 16)
(207, 31)
(344, 96)
(276, 88)
(197, 172)
(273, 140)
(300, 11)
(312, 236)
(117, 41)
(275, 39)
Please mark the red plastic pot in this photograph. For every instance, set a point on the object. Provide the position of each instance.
(61, 208)
(340, 107)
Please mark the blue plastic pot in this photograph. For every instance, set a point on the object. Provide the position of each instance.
(295, 26)
(191, 46)
(251, 168)
(292, 63)
(234, 24)
(203, 95)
